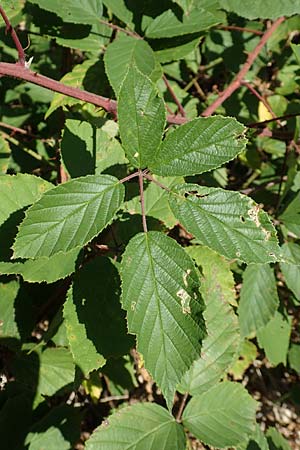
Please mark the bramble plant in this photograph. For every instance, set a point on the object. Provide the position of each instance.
(138, 240)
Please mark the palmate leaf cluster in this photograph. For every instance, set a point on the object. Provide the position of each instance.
(87, 284)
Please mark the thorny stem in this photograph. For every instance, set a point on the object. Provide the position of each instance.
(236, 83)
(173, 95)
(142, 198)
(14, 35)
(181, 407)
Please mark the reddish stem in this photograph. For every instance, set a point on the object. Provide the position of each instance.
(129, 177)
(9, 29)
(12, 128)
(260, 98)
(235, 28)
(236, 83)
(173, 95)
(123, 30)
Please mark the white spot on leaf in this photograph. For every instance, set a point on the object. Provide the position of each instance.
(184, 300)
(185, 275)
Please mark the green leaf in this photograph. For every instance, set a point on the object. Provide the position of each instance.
(95, 323)
(290, 271)
(5, 153)
(222, 340)
(141, 426)
(226, 221)
(119, 9)
(198, 19)
(124, 52)
(69, 216)
(246, 355)
(257, 441)
(294, 357)
(12, 8)
(198, 146)
(75, 11)
(141, 115)
(58, 430)
(276, 441)
(274, 338)
(176, 49)
(296, 50)
(160, 294)
(291, 216)
(223, 416)
(8, 325)
(75, 79)
(156, 201)
(258, 298)
(43, 268)
(269, 9)
(18, 191)
(95, 149)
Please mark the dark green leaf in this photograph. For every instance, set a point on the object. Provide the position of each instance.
(164, 308)
(198, 146)
(141, 114)
(226, 221)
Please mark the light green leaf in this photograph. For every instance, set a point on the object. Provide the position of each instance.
(276, 441)
(4, 154)
(124, 52)
(274, 338)
(156, 201)
(245, 357)
(198, 146)
(139, 427)
(75, 79)
(296, 50)
(160, 295)
(119, 9)
(8, 325)
(291, 216)
(43, 268)
(68, 216)
(141, 115)
(95, 322)
(226, 221)
(291, 271)
(269, 9)
(56, 370)
(257, 441)
(18, 191)
(198, 19)
(179, 50)
(222, 340)
(258, 298)
(75, 11)
(294, 357)
(223, 416)
(12, 8)
(95, 149)
(58, 430)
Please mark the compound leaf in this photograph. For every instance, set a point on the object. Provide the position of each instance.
(226, 221)
(141, 115)
(223, 416)
(222, 340)
(141, 426)
(164, 307)
(198, 146)
(68, 216)
(258, 299)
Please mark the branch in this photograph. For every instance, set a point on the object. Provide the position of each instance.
(243, 30)
(236, 83)
(142, 197)
(15, 38)
(173, 95)
(17, 71)
(117, 28)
